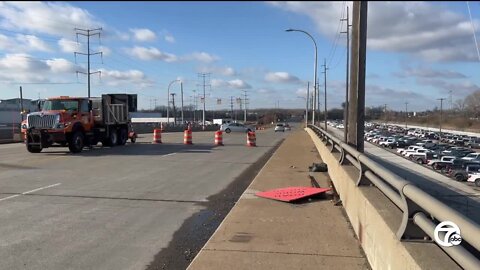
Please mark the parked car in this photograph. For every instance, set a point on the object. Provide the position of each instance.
(473, 143)
(462, 174)
(474, 178)
(235, 127)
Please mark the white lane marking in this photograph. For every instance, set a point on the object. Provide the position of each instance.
(171, 154)
(30, 191)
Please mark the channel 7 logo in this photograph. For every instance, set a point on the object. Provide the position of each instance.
(452, 234)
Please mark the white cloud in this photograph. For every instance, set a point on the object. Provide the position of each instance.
(421, 29)
(281, 77)
(224, 71)
(266, 91)
(232, 84)
(424, 72)
(54, 18)
(460, 89)
(151, 53)
(69, 46)
(23, 68)
(169, 38)
(23, 43)
(105, 50)
(238, 84)
(133, 76)
(143, 34)
(60, 65)
(202, 57)
(33, 43)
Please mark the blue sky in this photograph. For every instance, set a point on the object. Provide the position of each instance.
(417, 51)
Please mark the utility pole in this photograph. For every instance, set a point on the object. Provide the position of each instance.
(451, 100)
(231, 107)
(385, 114)
(441, 116)
(155, 104)
(406, 114)
(325, 80)
(194, 106)
(174, 110)
(345, 115)
(356, 110)
(21, 102)
(203, 75)
(88, 33)
(181, 91)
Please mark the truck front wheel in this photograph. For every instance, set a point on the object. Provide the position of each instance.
(33, 149)
(76, 142)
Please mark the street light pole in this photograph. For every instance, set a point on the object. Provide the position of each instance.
(315, 90)
(406, 114)
(168, 99)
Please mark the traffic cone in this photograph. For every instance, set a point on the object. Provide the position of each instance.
(218, 138)
(187, 137)
(251, 139)
(157, 136)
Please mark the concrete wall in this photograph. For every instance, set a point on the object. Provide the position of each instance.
(375, 220)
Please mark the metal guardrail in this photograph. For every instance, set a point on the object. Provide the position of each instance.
(421, 211)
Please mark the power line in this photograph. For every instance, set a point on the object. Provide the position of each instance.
(473, 30)
(331, 55)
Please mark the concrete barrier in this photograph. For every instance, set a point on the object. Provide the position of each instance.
(375, 221)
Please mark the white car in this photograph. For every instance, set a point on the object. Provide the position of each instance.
(471, 156)
(235, 127)
(474, 178)
(280, 127)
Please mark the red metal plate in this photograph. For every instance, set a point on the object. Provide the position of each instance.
(291, 193)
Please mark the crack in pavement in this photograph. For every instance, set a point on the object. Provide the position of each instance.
(107, 198)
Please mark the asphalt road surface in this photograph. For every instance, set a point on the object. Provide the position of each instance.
(459, 195)
(115, 208)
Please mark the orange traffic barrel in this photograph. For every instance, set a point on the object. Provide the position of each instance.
(187, 137)
(218, 137)
(251, 139)
(157, 136)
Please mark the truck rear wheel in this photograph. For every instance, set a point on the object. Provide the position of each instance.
(459, 177)
(122, 136)
(76, 142)
(112, 139)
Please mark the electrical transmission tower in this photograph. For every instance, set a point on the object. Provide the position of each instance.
(88, 33)
(245, 102)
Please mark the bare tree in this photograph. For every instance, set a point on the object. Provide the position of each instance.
(472, 104)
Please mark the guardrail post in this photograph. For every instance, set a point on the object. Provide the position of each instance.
(342, 160)
(408, 230)
(362, 180)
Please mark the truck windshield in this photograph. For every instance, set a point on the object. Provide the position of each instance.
(57, 105)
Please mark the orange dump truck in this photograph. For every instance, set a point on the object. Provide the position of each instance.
(77, 122)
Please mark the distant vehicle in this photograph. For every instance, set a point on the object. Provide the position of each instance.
(221, 121)
(473, 143)
(287, 127)
(280, 127)
(235, 127)
(79, 121)
(472, 156)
